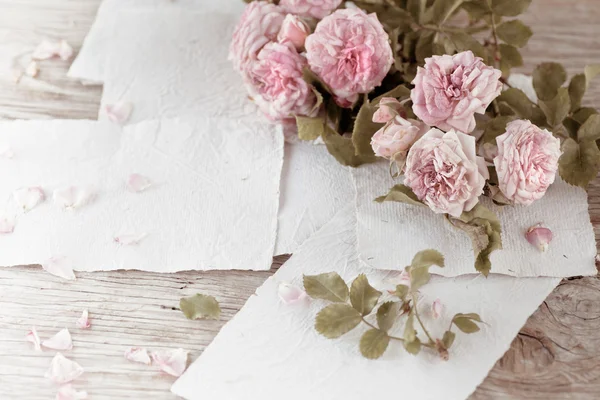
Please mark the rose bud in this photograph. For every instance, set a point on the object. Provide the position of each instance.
(388, 108)
(539, 236)
(293, 30)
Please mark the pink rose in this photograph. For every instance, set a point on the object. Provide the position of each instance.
(527, 161)
(451, 89)
(388, 109)
(293, 30)
(445, 173)
(397, 136)
(310, 8)
(260, 23)
(276, 84)
(350, 52)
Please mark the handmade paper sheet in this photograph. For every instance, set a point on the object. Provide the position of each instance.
(90, 63)
(390, 233)
(280, 355)
(212, 201)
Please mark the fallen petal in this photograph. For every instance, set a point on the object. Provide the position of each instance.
(33, 69)
(138, 355)
(59, 266)
(290, 294)
(84, 321)
(32, 336)
(173, 362)
(130, 239)
(7, 225)
(539, 237)
(68, 392)
(28, 198)
(71, 197)
(119, 112)
(62, 370)
(45, 50)
(436, 308)
(65, 51)
(61, 341)
(138, 183)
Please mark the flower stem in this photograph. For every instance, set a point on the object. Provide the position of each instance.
(414, 298)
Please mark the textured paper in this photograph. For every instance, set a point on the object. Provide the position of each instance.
(213, 203)
(271, 351)
(100, 41)
(390, 233)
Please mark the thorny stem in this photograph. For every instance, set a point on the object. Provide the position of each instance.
(414, 298)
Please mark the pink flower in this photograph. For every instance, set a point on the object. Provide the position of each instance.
(451, 89)
(445, 173)
(310, 8)
(276, 84)
(293, 30)
(388, 108)
(527, 161)
(397, 136)
(350, 52)
(260, 23)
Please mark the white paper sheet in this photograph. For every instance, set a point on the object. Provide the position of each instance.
(213, 203)
(390, 233)
(270, 350)
(90, 63)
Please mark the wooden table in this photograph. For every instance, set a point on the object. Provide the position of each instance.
(555, 356)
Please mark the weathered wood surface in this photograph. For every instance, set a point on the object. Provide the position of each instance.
(556, 355)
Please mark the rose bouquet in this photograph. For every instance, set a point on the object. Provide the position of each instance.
(427, 85)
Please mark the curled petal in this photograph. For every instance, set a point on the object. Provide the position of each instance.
(119, 112)
(33, 69)
(130, 239)
(49, 49)
(84, 321)
(61, 341)
(7, 225)
(539, 237)
(28, 198)
(138, 183)
(32, 336)
(62, 370)
(290, 294)
(138, 355)
(72, 197)
(65, 51)
(59, 266)
(68, 392)
(436, 308)
(173, 362)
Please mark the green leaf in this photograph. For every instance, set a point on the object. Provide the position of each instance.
(418, 278)
(483, 227)
(475, 9)
(328, 286)
(399, 92)
(424, 46)
(494, 128)
(591, 71)
(410, 334)
(577, 88)
(590, 130)
(514, 33)
(312, 79)
(463, 41)
(579, 163)
(337, 319)
(416, 8)
(547, 78)
(465, 323)
(363, 296)
(510, 8)
(558, 108)
(309, 128)
(510, 57)
(427, 258)
(200, 306)
(342, 149)
(413, 347)
(583, 114)
(364, 129)
(374, 343)
(402, 194)
(441, 10)
(448, 339)
(401, 291)
(518, 101)
(387, 314)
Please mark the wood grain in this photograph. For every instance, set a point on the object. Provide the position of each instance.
(556, 355)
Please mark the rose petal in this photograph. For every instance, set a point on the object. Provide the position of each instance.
(138, 355)
(28, 198)
(68, 392)
(7, 225)
(130, 239)
(62, 370)
(119, 112)
(65, 51)
(138, 183)
(436, 308)
(59, 266)
(61, 341)
(32, 336)
(83, 322)
(33, 69)
(539, 236)
(173, 362)
(45, 50)
(290, 294)
(72, 197)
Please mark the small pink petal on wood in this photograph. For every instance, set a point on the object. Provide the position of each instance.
(68, 392)
(71, 197)
(65, 51)
(84, 321)
(59, 266)
(32, 336)
(436, 308)
(61, 341)
(138, 355)
(29, 197)
(62, 370)
(173, 362)
(119, 112)
(48, 49)
(7, 225)
(290, 294)
(130, 239)
(33, 69)
(539, 236)
(138, 183)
